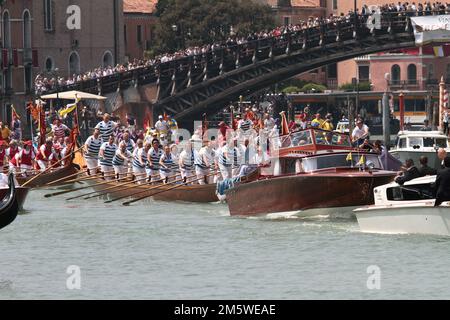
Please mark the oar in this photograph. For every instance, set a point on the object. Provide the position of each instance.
(152, 188)
(85, 178)
(49, 195)
(52, 166)
(127, 203)
(116, 186)
(109, 188)
(62, 179)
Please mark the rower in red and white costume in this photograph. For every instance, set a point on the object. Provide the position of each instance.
(24, 159)
(11, 153)
(45, 155)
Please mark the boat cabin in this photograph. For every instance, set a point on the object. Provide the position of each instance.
(419, 189)
(313, 149)
(421, 141)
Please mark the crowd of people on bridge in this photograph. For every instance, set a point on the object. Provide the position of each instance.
(45, 82)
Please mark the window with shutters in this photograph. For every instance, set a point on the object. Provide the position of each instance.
(48, 15)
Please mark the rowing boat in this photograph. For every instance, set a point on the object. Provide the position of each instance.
(50, 176)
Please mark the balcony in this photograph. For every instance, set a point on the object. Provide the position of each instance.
(411, 84)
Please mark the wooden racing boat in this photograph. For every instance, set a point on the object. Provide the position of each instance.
(9, 206)
(51, 175)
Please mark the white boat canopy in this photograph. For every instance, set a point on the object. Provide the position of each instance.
(72, 95)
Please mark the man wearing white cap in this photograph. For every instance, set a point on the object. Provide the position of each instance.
(161, 126)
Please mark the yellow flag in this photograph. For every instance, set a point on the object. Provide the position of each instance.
(349, 157)
(362, 161)
(69, 108)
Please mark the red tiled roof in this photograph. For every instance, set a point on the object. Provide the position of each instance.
(139, 6)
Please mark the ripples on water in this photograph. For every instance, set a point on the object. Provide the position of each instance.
(158, 250)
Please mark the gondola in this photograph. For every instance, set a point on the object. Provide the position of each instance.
(9, 207)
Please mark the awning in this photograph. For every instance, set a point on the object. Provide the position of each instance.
(70, 95)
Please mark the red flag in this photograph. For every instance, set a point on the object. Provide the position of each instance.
(42, 126)
(284, 124)
(233, 124)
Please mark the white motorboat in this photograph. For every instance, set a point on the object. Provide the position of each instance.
(414, 144)
(407, 209)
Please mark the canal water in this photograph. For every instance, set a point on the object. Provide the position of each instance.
(156, 250)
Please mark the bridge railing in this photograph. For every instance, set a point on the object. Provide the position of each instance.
(195, 68)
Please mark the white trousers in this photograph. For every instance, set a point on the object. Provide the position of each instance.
(121, 171)
(92, 164)
(226, 172)
(107, 171)
(166, 174)
(42, 164)
(140, 174)
(201, 174)
(154, 174)
(186, 173)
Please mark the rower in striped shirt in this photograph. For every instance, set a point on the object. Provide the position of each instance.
(140, 161)
(91, 149)
(106, 155)
(106, 127)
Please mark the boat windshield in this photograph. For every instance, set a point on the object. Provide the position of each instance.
(320, 137)
(427, 142)
(341, 160)
(409, 193)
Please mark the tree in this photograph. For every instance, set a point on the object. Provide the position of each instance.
(363, 86)
(314, 87)
(161, 6)
(185, 23)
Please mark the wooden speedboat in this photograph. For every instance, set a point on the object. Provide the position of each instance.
(314, 169)
(407, 209)
(9, 206)
(52, 175)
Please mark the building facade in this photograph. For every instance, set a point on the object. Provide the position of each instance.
(52, 38)
(139, 21)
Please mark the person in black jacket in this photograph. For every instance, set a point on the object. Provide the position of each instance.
(443, 184)
(410, 172)
(425, 170)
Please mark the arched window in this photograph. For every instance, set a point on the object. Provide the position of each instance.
(74, 63)
(107, 59)
(49, 66)
(48, 15)
(412, 74)
(6, 30)
(395, 74)
(26, 29)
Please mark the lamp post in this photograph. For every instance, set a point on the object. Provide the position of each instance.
(386, 113)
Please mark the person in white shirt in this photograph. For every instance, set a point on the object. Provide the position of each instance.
(204, 162)
(106, 127)
(161, 126)
(186, 161)
(360, 133)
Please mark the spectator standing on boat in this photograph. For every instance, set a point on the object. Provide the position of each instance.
(443, 183)
(410, 172)
(173, 129)
(5, 132)
(426, 126)
(424, 169)
(153, 157)
(16, 128)
(360, 133)
(445, 118)
(442, 154)
(120, 161)
(161, 126)
(327, 124)
(317, 121)
(106, 155)
(378, 147)
(166, 165)
(131, 122)
(91, 150)
(366, 145)
(186, 161)
(59, 129)
(106, 127)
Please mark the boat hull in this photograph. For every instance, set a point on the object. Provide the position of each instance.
(304, 192)
(190, 193)
(422, 219)
(49, 177)
(21, 195)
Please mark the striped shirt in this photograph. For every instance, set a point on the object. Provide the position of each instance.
(201, 155)
(245, 125)
(154, 157)
(93, 147)
(188, 159)
(130, 145)
(232, 158)
(59, 131)
(106, 129)
(119, 160)
(168, 162)
(140, 153)
(108, 154)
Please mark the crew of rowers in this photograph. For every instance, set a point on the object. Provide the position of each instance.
(151, 160)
